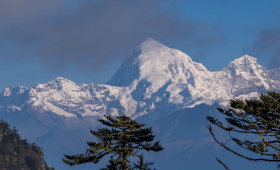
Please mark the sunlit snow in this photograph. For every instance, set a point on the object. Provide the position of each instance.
(154, 77)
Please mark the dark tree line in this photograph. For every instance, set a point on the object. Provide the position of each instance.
(17, 153)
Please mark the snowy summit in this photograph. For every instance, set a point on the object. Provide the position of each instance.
(155, 80)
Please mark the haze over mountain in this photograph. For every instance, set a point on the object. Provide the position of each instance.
(156, 84)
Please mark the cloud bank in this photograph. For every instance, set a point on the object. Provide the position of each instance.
(94, 34)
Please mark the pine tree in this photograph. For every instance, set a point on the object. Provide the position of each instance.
(142, 166)
(114, 164)
(117, 141)
(266, 112)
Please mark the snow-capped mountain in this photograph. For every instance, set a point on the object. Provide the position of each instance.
(151, 85)
(154, 76)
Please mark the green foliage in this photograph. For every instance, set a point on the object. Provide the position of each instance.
(17, 153)
(117, 141)
(114, 164)
(141, 165)
(265, 119)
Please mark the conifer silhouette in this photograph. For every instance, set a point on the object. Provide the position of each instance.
(117, 141)
(266, 112)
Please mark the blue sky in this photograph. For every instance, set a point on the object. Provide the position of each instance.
(87, 40)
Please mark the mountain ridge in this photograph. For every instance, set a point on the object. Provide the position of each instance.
(154, 75)
(157, 85)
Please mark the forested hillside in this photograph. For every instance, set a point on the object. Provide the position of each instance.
(17, 153)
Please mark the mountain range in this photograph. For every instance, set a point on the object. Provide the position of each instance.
(158, 86)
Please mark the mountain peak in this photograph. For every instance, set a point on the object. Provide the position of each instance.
(151, 44)
(58, 84)
(155, 63)
(61, 80)
(13, 90)
(244, 62)
(246, 59)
